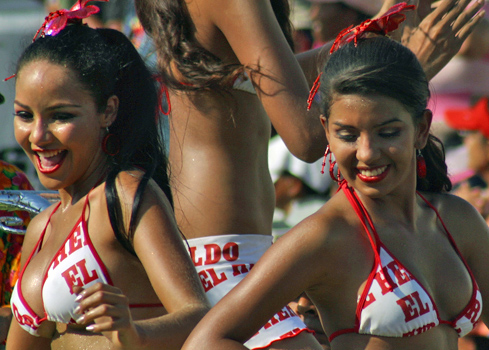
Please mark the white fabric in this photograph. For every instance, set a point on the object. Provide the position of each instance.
(222, 262)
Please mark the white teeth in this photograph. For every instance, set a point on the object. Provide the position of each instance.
(48, 154)
(374, 172)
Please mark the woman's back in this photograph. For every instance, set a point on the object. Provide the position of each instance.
(219, 139)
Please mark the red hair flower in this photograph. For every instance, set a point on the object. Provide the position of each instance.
(383, 25)
(57, 21)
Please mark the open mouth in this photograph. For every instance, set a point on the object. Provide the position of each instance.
(373, 174)
(50, 161)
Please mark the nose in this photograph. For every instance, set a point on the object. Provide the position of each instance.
(367, 151)
(39, 132)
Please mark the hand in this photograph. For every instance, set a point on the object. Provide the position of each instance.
(439, 36)
(103, 308)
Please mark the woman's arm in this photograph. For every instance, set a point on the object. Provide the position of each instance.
(19, 339)
(296, 262)
(257, 40)
(161, 250)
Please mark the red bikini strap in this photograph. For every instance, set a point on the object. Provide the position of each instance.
(362, 215)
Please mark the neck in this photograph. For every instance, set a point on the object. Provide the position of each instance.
(72, 194)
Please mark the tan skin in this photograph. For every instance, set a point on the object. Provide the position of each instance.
(329, 256)
(218, 142)
(55, 112)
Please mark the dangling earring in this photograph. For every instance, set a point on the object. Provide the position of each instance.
(332, 164)
(110, 143)
(420, 164)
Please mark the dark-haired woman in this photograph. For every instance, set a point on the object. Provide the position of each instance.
(390, 261)
(106, 268)
(230, 70)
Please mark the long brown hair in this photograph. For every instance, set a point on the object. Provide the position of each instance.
(169, 24)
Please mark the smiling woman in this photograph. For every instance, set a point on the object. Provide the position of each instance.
(114, 269)
(377, 258)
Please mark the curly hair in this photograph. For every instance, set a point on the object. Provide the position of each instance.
(172, 30)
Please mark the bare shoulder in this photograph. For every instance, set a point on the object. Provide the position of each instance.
(330, 235)
(462, 220)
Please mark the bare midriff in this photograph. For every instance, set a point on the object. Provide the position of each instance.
(219, 164)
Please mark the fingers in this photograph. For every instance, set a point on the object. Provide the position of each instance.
(103, 308)
(466, 23)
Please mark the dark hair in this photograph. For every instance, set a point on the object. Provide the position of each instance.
(107, 64)
(173, 32)
(382, 66)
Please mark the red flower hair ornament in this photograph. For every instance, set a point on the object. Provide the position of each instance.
(383, 25)
(57, 21)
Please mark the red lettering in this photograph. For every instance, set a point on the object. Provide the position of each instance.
(473, 311)
(283, 314)
(402, 275)
(72, 275)
(423, 309)
(230, 252)
(23, 319)
(75, 242)
(385, 281)
(412, 306)
(212, 254)
(205, 282)
(192, 256)
(61, 256)
(273, 321)
(82, 266)
(420, 330)
(239, 269)
(368, 300)
(222, 277)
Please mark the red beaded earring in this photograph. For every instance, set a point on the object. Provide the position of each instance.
(420, 165)
(332, 164)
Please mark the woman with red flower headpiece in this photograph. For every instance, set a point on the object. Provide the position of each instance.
(229, 71)
(391, 261)
(106, 267)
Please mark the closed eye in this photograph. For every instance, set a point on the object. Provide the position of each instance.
(23, 115)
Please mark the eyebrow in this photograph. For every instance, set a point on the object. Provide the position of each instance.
(52, 108)
(393, 120)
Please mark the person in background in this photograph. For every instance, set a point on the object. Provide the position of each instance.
(300, 188)
(115, 271)
(473, 122)
(329, 17)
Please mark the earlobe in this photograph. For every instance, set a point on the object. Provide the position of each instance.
(111, 110)
(423, 129)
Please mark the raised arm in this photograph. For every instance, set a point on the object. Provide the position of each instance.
(258, 42)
